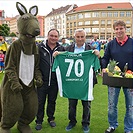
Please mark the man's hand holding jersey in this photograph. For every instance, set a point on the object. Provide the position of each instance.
(96, 52)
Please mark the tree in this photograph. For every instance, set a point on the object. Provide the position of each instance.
(12, 34)
(4, 30)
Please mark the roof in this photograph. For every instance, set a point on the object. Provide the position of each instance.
(59, 10)
(99, 6)
(8, 18)
(11, 18)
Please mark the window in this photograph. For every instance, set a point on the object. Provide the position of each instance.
(95, 30)
(128, 22)
(70, 24)
(110, 14)
(80, 23)
(128, 14)
(115, 14)
(102, 29)
(67, 25)
(87, 22)
(103, 14)
(109, 7)
(88, 30)
(102, 21)
(87, 15)
(70, 31)
(67, 31)
(95, 22)
(109, 22)
(109, 30)
(3, 14)
(74, 24)
(80, 15)
(114, 21)
(128, 30)
(50, 23)
(68, 18)
(122, 14)
(73, 17)
(58, 26)
(95, 14)
(102, 37)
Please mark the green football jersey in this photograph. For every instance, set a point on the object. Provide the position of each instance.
(74, 73)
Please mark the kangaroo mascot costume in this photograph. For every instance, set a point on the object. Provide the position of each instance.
(18, 95)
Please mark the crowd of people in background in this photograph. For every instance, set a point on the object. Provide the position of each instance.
(94, 41)
(4, 45)
(3, 49)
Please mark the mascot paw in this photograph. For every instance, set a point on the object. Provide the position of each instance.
(18, 89)
(39, 82)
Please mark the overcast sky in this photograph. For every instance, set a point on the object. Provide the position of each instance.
(45, 6)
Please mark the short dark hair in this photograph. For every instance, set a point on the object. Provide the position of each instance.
(119, 22)
(52, 30)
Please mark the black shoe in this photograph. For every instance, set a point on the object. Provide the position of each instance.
(110, 130)
(70, 126)
(38, 126)
(52, 124)
(86, 129)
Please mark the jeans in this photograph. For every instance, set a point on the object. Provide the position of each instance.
(49, 93)
(113, 95)
(86, 111)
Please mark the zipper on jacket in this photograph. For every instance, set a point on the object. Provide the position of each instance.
(51, 62)
(49, 80)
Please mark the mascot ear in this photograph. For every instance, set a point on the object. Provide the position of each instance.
(33, 10)
(21, 8)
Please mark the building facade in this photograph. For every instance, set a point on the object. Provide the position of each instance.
(94, 18)
(12, 23)
(57, 19)
(98, 19)
(2, 16)
(42, 25)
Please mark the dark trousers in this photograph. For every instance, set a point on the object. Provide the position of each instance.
(86, 111)
(49, 93)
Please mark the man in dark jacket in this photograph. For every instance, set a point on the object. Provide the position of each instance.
(50, 88)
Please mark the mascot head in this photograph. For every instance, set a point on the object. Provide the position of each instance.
(28, 25)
